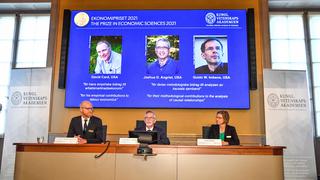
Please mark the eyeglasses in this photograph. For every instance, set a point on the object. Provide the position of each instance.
(161, 47)
(88, 108)
(148, 117)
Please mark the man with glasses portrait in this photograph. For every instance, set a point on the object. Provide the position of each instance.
(164, 65)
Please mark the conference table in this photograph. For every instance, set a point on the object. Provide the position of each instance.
(168, 162)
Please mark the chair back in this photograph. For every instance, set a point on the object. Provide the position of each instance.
(160, 123)
(104, 133)
(205, 132)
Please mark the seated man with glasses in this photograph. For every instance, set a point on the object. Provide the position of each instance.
(212, 53)
(149, 121)
(87, 128)
(164, 65)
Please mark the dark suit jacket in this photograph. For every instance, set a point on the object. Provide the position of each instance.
(94, 132)
(163, 139)
(230, 134)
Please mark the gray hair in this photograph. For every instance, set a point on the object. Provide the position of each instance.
(153, 113)
(163, 40)
(104, 42)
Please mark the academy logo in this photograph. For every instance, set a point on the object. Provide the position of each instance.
(16, 98)
(273, 100)
(210, 18)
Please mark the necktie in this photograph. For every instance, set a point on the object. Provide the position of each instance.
(85, 126)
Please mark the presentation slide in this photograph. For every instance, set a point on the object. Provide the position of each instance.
(158, 59)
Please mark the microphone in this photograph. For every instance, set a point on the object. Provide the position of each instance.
(104, 151)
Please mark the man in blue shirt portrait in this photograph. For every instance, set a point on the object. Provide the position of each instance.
(164, 65)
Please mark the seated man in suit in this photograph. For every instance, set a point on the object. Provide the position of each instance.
(87, 128)
(149, 121)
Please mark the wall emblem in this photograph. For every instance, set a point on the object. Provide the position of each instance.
(16, 98)
(273, 100)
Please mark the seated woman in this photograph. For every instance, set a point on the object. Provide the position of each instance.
(221, 130)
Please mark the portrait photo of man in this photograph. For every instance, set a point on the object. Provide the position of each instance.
(105, 55)
(210, 55)
(162, 55)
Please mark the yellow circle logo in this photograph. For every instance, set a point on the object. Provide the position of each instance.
(81, 19)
